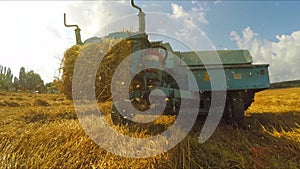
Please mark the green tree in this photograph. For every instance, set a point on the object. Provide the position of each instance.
(51, 87)
(6, 79)
(22, 79)
(30, 81)
(34, 81)
(16, 83)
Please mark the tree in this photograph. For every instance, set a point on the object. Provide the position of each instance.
(22, 79)
(15, 83)
(51, 87)
(34, 81)
(30, 81)
(6, 78)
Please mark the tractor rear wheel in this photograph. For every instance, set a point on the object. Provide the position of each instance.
(235, 110)
(117, 117)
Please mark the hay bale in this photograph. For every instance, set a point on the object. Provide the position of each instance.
(40, 102)
(12, 104)
(2, 103)
(59, 99)
(117, 49)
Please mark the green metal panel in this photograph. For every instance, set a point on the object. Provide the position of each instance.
(246, 77)
(227, 57)
(168, 47)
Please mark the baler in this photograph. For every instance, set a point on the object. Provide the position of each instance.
(240, 79)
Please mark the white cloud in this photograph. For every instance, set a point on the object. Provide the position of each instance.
(195, 14)
(188, 24)
(178, 11)
(216, 2)
(182, 24)
(33, 35)
(283, 55)
(91, 16)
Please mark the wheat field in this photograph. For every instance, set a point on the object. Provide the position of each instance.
(42, 131)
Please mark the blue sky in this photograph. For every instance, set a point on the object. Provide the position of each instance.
(33, 35)
(267, 18)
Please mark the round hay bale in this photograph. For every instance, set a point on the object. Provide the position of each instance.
(117, 51)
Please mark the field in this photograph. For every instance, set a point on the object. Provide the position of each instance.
(42, 131)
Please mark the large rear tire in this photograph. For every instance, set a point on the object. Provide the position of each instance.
(235, 110)
(248, 98)
(117, 118)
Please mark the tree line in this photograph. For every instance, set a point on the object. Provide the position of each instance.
(27, 81)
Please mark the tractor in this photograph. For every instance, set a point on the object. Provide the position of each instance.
(242, 78)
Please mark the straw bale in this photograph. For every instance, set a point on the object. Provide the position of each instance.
(117, 51)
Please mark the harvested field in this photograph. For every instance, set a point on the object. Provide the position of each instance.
(42, 131)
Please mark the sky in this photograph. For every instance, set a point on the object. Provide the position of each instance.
(32, 33)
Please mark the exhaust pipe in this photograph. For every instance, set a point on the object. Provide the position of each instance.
(77, 31)
(141, 16)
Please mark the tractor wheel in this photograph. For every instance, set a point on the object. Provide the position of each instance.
(235, 110)
(248, 99)
(117, 118)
